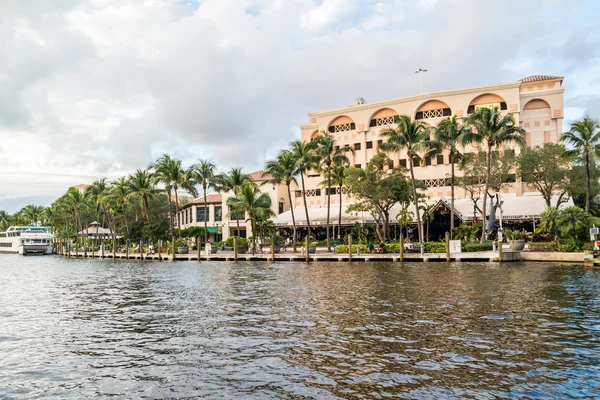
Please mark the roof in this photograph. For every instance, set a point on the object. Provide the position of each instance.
(80, 186)
(210, 198)
(258, 176)
(541, 78)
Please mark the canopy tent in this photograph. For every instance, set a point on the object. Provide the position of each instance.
(529, 206)
(96, 231)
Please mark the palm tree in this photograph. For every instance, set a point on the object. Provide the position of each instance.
(232, 182)
(251, 201)
(448, 135)
(584, 136)
(306, 159)
(284, 169)
(96, 193)
(204, 175)
(169, 172)
(141, 185)
(337, 177)
(489, 126)
(120, 192)
(329, 154)
(412, 137)
(5, 219)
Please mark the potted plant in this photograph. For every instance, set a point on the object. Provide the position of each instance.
(277, 242)
(515, 239)
(312, 247)
(242, 244)
(182, 247)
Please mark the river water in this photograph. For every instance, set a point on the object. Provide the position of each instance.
(75, 329)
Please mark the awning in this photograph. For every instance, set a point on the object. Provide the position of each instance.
(212, 229)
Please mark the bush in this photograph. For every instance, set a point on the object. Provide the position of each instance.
(543, 246)
(434, 247)
(343, 248)
(476, 246)
(470, 232)
(242, 242)
(513, 234)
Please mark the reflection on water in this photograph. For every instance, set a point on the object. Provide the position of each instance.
(89, 328)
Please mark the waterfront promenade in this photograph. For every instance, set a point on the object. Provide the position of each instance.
(323, 255)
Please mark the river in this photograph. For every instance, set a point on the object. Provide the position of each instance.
(75, 329)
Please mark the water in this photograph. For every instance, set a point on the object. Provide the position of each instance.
(74, 329)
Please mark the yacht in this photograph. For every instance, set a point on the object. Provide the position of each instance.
(33, 239)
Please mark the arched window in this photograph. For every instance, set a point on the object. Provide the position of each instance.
(342, 124)
(433, 109)
(486, 100)
(384, 117)
(536, 104)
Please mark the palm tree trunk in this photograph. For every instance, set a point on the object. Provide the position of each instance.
(328, 204)
(205, 214)
(305, 205)
(340, 215)
(125, 218)
(177, 210)
(171, 215)
(293, 217)
(416, 199)
(451, 194)
(486, 190)
(587, 182)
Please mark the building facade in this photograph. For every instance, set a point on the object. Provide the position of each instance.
(536, 103)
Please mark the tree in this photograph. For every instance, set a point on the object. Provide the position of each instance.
(584, 136)
(255, 204)
(232, 182)
(577, 188)
(412, 137)
(204, 175)
(5, 220)
(140, 184)
(169, 172)
(377, 189)
(120, 192)
(307, 160)
(284, 169)
(546, 169)
(337, 175)
(448, 135)
(490, 127)
(329, 154)
(475, 172)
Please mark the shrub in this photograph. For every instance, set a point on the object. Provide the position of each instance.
(242, 242)
(542, 246)
(470, 232)
(476, 246)
(343, 248)
(513, 234)
(434, 247)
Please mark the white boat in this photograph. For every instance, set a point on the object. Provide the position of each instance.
(25, 240)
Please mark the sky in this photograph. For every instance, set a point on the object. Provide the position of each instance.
(100, 88)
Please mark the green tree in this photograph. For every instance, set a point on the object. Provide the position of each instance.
(307, 160)
(490, 127)
(204, 175)
(584, 136)
(141, 185)
(329, 154)
(546, 169)
(284, 169)
(448, 136)
(169, 172)
(232, 182)
(120, 193)
(255, 204)
(377, 189)
(412, 137)
(577, 186)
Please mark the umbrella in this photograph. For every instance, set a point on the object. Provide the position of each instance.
(492, 217)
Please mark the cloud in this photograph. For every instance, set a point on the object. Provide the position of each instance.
(102, 87)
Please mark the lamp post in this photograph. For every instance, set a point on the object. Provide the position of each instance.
(420, 71)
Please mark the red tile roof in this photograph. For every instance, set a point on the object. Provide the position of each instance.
(211, 198)
(258, 176)
(540, 78)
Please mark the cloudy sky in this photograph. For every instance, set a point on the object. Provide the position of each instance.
(92, 88)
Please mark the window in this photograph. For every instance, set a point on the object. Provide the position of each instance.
(281, 207)
(186, 215)
(390, 164)
(427, 161)
(317, 192)
(440, 112)
(332, 191)
(440, 159)
(218, 213)
(472, 108)
(342, 127)
(416, 162)
(369, 145)
(379, 142)
(403, 163)
(383, 121)
(356, 146)
(357, 166)
(200, 214)
(510, 178)
(336, 148)
(298, 193)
